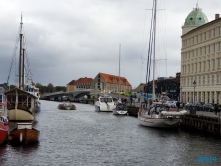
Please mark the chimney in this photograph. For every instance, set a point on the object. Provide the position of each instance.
(216, 16)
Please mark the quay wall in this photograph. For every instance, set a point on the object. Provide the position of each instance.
(208, 124)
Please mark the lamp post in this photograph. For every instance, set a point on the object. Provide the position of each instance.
(180, 94)
(194, 86)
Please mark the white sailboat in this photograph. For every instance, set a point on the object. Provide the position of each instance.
(121, 109)
(156, 114)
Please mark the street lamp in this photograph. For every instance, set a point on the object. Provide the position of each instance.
(180, 94)
(194, 86)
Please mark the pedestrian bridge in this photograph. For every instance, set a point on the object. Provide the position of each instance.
(76, 95)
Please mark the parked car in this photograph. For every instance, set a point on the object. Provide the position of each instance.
(208, 107)
(169, 103)
(173, 105)
(188, 105)
(199, 106)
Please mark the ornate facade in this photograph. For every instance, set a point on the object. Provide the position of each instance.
(201, 59)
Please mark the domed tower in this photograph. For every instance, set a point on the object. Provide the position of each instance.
(195, 19)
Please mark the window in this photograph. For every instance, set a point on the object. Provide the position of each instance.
(217, 79)
(208, 62)
(205, 36)
(212, 79)
(218, 63)
(219, 46)
(203, 80)
(208, 81)
(196, 68)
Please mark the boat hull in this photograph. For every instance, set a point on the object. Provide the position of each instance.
(20, 115)
(24, 136)
(66, 107)
(119, 112)
(159, 122)
(4, 128)
(104, 107)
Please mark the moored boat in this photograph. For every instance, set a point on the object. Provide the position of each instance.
(156, 114)
(160, 117)
(105, 103)
(24, 133)
(20, 105)
(121, 109)
(4, 126)
(66, 106)
(23, 100)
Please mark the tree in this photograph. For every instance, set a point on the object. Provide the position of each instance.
(50, 87)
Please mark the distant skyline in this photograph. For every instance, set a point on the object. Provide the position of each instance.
(70, 39)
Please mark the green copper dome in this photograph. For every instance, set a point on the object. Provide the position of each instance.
(196, 17)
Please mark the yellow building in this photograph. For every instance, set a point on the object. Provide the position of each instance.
(108, 82)
(80, 84)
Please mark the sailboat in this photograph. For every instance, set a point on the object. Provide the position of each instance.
(4, 126)
(121, 109)
(155, 114)
(22, 100)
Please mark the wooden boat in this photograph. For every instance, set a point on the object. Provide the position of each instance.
(65, 106)
(4, 126)
(23, 134)
(23, 100)
(20, 105)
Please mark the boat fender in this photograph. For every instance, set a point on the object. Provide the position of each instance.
(21, 137)
(9, 138)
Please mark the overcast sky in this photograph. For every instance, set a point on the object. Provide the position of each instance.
(69, 39)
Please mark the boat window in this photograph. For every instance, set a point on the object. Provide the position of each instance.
(109, 100)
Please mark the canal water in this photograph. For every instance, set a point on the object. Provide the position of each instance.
(86, 137)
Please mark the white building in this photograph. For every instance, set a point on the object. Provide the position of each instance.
(201, 58)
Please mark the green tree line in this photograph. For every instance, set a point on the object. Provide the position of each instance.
(44, 89)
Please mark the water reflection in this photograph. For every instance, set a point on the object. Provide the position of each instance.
(86, 137)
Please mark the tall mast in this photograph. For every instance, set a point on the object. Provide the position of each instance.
(23, 64)
(20, 58)
(119, 80)
(154, 47)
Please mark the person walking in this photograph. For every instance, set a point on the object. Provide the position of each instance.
(216, 109)
(178, 105)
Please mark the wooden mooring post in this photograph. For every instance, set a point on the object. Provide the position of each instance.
(203, 123)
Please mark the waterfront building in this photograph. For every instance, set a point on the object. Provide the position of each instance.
(108, 82)
(80, 84)
(201, 58)
(170, 85)
(140, 87)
